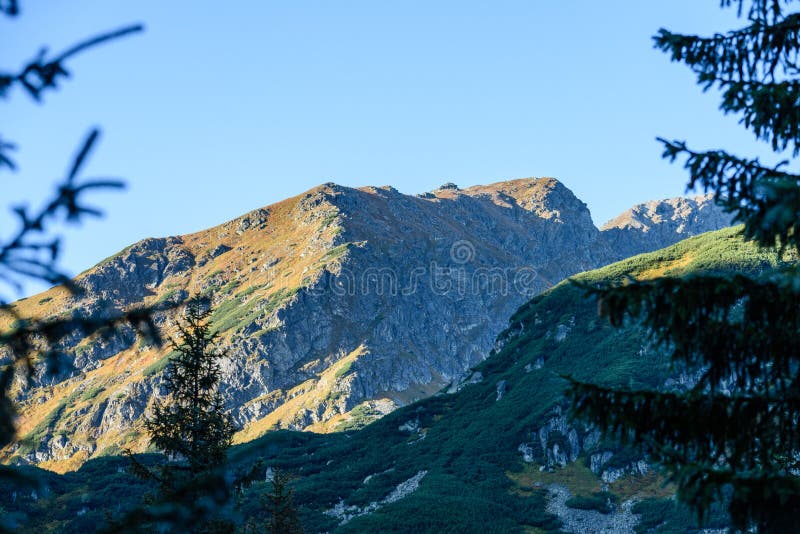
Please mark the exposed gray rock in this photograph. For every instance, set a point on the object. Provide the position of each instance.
(620, 521)
(559, 441)
(469, 379)
(411, 427)
(528, 454)
(219, 250)
(404, 489)
(598, 460)
(561, 332)
(502, 387)
(129, 276)
(640, 467)
(660, 223)
(345, 513)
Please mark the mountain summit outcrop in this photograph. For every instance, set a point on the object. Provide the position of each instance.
(336, 306)
(655, 225)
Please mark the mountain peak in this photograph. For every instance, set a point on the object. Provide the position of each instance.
(658, 223)
(546, 197)
(517, 188)
(680, 210)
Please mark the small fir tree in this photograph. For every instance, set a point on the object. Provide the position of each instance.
(193, 426)
(280, 506)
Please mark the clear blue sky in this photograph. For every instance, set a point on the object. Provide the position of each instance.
(213, 112)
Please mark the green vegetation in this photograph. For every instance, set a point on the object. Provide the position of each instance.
(250, 290)
(159, 365)
(28, 341)
(360, 416)
(91, 392)
(45, 427)
(576, 477)
(343, 370)
(229, 287)
(193, 424)
(279, 514)
(601, 501)
(329, 219)
(109, 258)
(666, 516)
(233, 314)
(168, 295)
(83, 348)
(112, 450)
(335, 253)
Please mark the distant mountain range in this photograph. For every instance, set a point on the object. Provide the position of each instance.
(336, 306)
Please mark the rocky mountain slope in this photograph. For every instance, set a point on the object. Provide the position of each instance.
(654, 225)
(336, 306)
(496, 454)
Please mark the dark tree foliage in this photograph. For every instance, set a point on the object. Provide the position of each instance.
(193, 425)
(31, 252)
(193, 429)
(734, 436)
(41, 74)
(9, 7)
(191, 505)
(279, 508)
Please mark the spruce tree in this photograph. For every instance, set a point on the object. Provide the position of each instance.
(280, 506)
(734, 437)
(193, 426)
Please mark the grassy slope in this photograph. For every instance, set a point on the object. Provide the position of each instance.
(476, 481)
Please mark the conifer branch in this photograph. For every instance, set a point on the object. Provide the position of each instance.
(765, 199)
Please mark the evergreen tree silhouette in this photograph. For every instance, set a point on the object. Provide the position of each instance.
(193, 426)
(734, 437)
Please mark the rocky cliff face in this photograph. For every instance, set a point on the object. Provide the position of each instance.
(658, 224)
(335, 306)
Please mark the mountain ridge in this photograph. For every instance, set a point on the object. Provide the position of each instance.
(336, 305)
